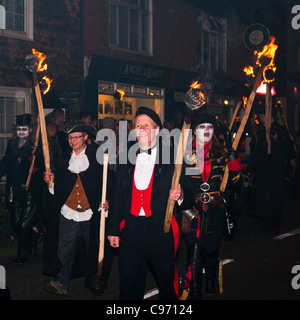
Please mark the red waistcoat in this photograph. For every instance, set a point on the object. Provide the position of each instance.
(141, 198)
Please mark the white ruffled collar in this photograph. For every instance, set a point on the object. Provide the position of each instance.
(78, 163)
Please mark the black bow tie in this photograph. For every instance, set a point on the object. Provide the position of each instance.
(147, 151)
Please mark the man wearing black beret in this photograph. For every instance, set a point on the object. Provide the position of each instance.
(142, 192)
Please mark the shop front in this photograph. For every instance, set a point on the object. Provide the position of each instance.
(117, 88)
(159, 88)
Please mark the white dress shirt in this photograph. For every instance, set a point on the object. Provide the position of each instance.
(143, 171)
(77, 164)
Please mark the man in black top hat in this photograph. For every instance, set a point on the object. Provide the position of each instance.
(77, 195)
(142, 193)
(22, 203)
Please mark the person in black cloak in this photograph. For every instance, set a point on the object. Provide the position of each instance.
(269, 172)
(22, 204)
(76, 197)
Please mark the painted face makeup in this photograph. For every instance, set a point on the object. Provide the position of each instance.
(22, 132)
(204, 133)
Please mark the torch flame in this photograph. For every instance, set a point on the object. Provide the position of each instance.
(245, 100)
(197, 85)
(249, 71)
(268, 51)
(41, 56)
(48, 82)
(122, 93)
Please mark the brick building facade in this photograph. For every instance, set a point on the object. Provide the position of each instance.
(151, 49)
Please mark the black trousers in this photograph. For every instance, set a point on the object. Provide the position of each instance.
(70, 232)
(145, 244)
(23, 215)
(204, 251)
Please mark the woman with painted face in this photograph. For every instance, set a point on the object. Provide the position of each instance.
(20, 202)
(204, 227)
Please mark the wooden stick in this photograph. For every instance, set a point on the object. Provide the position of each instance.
(177, 170)
(102, 220)
(268, 115)
(235, 114)
(45, 144)
(283, 118)
(243, 124)
(36, 142)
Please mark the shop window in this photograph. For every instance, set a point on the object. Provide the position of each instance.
(16, 19)
(131, 25)
(211, 42)
(134, 96)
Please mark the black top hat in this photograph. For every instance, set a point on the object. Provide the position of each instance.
(23, 119)
(79, 127)
(151, 114)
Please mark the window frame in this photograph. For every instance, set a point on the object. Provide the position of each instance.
(212, 37)
(141, 12)
(27, 34)
(16, 93)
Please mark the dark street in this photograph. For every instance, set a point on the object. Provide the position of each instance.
(256, 266)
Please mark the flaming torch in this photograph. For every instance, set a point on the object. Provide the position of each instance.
(194, 100)
(269, 76)
(34, 63)
(265, 61)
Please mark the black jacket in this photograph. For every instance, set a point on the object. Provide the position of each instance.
(162, 181)
(65, 180)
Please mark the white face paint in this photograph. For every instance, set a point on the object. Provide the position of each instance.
(204, 133)
(22, 132)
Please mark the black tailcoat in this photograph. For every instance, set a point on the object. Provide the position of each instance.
(143, 240)
(63, 185)
(162, 181)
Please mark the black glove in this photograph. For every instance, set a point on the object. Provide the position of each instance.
(232, 155)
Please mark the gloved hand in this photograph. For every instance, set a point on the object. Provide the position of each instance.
(232, 155)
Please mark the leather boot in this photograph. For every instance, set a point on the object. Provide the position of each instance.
(196, 269)
(211, 266)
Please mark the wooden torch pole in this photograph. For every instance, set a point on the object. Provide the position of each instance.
(102, 220)
(243, 124)
(36, 142)
(177, 170)
(268, 115)
(45, 144)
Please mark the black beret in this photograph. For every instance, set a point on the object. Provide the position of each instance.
(151, 114)
(204, 117)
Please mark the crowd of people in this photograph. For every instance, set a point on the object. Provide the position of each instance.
(63, 207)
